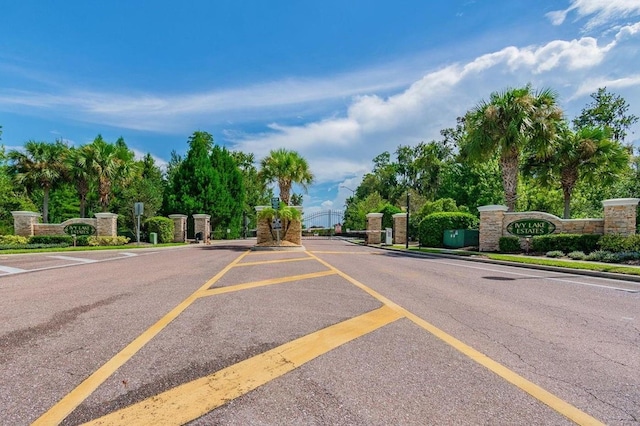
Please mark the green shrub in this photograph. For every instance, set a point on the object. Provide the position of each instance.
(51, 239)
(82, 240)
(9, 240)
(108, 241)
(628, 255)
(612, 242)
(577, 255)
(555, 253)
(565, 243)
(602, 256)
(509, 245)
(163, 226)
(31, 246)
(432, 227)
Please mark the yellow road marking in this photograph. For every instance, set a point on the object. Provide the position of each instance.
(345, 252)
(556, 403)
(67, 404)
(266, 262)
(232, 288)
(194, 399)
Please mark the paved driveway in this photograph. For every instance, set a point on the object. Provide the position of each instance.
(336, 334)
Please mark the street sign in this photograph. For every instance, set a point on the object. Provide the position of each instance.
(276, 223)
(275, 203)
(138, 209)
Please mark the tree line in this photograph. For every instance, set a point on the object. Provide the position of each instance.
(516, 148)
(63, 182)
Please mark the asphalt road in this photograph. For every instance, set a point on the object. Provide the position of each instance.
(335, 335)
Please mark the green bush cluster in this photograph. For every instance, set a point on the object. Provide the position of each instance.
(554, 253)
(9, 240)
(432, 227)
(30, 246)
(565, 243)
(51, 239)
(108, 241)
(163, 226)
(509, 245)
(619, 243)
(577, 255)
(602, 256)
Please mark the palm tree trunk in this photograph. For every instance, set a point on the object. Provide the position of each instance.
(509, 165)
(45, 205)
(568, 179)
(567, 203)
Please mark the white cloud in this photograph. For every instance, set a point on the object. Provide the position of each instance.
(600, 11)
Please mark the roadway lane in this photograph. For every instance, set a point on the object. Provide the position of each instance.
(340, 334)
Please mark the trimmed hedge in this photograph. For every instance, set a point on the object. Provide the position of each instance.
(432, 227)
(565, 243)
(509, 245)
(163, 226)
(51, 239)
(31, 246)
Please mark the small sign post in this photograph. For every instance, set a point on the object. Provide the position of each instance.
(276, 223)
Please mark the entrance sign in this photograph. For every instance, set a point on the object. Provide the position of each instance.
(530, 227)
(80, 229)
(275, 203)
(276, 223)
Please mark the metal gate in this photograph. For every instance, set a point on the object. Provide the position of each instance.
(322, 224)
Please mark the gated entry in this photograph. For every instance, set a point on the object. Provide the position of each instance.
(322, 224)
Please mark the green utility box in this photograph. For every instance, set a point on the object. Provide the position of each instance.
(153, 237)
(458, 238)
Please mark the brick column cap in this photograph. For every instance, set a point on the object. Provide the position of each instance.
(178, 216)
(25, 213)
(493, 208)
(621, 202)
(375, 214)
(399, 215)
(105, 215)
(202, 216)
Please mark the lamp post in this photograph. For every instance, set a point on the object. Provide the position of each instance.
(346, 187)
(407, 235)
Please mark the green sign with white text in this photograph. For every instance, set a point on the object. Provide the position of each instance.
(80, 229)
(530, 227)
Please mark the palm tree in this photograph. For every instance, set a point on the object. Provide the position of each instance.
(109, 163)
(587, 154)
(41, 165)
(80, 173)
(285, 167)
(510, 122)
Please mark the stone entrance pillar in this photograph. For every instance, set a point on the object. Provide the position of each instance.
(620, 216)
(23, 222)
(491, 222)
(107, 224)
(179, 227)
(374, 227)
(400, 228)
(202, 224)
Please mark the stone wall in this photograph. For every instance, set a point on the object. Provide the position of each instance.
(58, 228)
(293, 235)
(179, 227)
(400, 228)
(619, 218)
(374, 228)
(26, 224)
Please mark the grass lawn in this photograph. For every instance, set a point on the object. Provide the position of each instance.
(89, 248)
(530, 260)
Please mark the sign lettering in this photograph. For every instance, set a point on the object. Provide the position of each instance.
(530, 227)
(80, 229)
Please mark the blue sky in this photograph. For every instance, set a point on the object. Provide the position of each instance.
(338, 81)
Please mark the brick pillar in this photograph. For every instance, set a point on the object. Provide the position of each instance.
(107, 225)
(400, 228)
(23, 222)
(620, 216)
(202, 224)
(491, 224)
(374, 227)
(179, 227)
